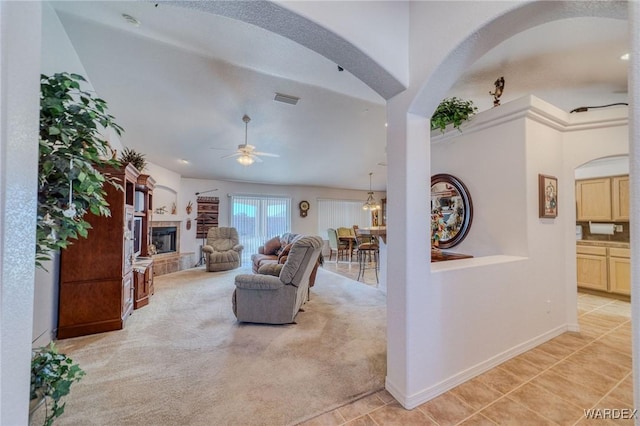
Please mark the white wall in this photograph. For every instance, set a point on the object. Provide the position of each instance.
(493, 170)
(58, 55)
(303, 225)
(498, 156)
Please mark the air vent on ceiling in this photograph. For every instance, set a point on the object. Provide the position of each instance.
(287, 99)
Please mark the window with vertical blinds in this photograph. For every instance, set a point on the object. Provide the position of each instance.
(341, 213)
(258, 218)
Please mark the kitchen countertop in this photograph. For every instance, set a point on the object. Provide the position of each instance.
(595, 243)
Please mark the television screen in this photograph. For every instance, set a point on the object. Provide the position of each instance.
(137, 235)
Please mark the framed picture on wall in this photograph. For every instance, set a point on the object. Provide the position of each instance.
(547, 196)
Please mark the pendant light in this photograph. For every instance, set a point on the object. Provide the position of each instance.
(371, 203)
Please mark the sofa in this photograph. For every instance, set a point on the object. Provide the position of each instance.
(275, 252)
(269, 299)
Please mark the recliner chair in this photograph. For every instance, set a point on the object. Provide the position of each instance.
(272, 299)
(223, 250)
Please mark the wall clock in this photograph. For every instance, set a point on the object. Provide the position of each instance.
(304, 208)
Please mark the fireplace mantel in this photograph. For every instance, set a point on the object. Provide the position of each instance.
(166, 218)
(160, 223)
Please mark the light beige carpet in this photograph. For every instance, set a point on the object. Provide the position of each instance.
(185, 360)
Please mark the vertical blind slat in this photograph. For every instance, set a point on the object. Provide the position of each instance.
(258, 218)
(341, 213)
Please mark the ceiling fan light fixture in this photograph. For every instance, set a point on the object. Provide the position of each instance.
(625, 57)
(246, 154)
(245, 160)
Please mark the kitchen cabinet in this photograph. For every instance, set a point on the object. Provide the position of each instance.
(591, 265)
(604, 269)
(619, 271)
(603, 199)
(593, 198)
(620, 198)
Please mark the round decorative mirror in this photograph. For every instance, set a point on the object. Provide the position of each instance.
(451, 211)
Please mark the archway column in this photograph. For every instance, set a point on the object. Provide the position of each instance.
(19, 110)
(408, 269)
(634, 172)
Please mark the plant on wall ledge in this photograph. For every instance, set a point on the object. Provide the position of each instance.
(452, 111)
(72, 149)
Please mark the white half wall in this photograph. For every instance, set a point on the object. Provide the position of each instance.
(520, 289)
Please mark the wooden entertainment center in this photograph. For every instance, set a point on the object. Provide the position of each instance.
(110, 273)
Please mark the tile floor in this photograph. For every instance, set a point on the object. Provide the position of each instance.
(551, 384)
(350, 270)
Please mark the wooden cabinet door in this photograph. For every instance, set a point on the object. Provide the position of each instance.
(619, 271)
(593, 198)
(592, 271)
(620, 198)
(149, 277)
(127, 295)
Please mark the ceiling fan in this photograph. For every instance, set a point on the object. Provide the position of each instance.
(246, 154)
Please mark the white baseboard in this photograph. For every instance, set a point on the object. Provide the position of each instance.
(573, 327)
(411, 401)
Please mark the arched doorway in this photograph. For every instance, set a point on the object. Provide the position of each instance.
(426, 300)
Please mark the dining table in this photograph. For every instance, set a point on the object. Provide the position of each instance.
(351, 241)
(377, 231)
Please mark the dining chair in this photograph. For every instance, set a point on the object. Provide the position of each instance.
(336, 245)
(368, 251)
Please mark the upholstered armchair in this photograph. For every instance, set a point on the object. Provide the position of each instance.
(223, 250)
(270, 299)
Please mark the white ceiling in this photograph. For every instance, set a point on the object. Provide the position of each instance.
(181, 81)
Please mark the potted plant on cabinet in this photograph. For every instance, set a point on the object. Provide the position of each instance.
(452, 111)
(132, 156)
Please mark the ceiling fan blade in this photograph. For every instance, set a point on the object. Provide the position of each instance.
(235, 154)
(256, 158)
(266, 154)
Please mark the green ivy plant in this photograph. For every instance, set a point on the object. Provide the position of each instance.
(52, 375)
(72, 149)
(452, 111)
